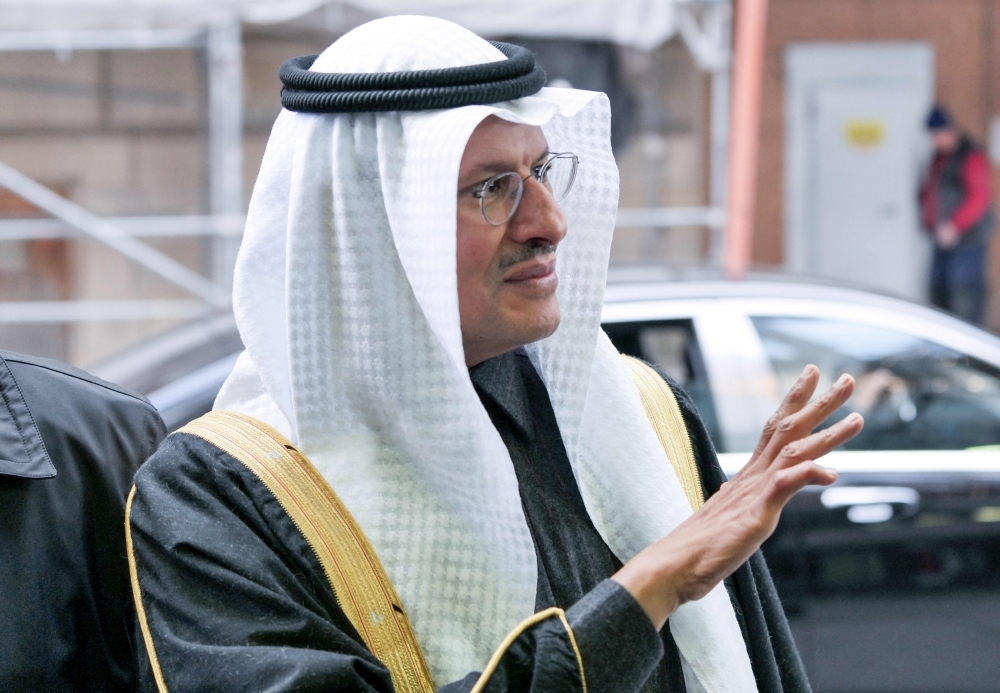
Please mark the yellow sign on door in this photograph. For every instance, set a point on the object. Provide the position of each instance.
(864, 133)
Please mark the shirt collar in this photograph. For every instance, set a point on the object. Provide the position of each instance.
(501, 379)
(22, 451)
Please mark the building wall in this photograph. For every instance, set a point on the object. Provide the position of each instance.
(665, 161)
(124, 133)
(967, 62)
(120, 133)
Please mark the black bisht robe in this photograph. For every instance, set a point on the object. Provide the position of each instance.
(235, 599)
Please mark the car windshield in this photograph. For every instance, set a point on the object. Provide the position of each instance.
(913, 393)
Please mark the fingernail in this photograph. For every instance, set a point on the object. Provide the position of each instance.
(842, 380)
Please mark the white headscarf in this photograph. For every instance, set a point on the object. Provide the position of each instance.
(345, 296)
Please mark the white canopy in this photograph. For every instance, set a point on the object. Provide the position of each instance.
(638, 23)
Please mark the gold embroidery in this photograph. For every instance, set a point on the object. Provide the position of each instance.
(527, 623)
(665, 415)
(355, 573)
(147, 637)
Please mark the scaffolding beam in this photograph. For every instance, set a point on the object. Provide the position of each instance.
(224, 57)
(221, 43)
(666, 217)
(87, 311)
(100, 230)
(146, 226)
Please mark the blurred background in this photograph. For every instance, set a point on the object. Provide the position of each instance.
(145, 123)
(771, 153)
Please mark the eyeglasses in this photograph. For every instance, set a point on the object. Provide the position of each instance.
(500, 195)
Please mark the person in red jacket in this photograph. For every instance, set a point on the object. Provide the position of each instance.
(957, 210)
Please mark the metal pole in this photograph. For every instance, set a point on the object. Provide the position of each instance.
(718, 159)
(224, 53)
(748, 73)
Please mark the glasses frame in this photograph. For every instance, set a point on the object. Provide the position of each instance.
(538, 174)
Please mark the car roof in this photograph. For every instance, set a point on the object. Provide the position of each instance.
(155, 362)
(636, 287)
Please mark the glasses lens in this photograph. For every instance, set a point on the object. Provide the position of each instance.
(500, 197)
(560, 175)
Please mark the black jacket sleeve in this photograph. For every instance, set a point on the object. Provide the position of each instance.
(235, 599)
(69, 447)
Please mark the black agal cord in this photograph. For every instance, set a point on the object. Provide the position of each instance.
(333, 92)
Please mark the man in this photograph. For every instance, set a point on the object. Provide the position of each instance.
(431, 470)
(69, 446)
(956, 209)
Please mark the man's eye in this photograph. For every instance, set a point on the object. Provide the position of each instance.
(492, 188)
(540, 173)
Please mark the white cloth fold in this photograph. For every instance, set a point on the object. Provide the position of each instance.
(346, 298)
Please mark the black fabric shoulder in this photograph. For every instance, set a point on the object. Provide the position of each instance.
(189, 471)
(234, 597)
(76, 412)
(68, 370)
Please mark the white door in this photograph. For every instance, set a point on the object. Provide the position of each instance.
(863, 195)
(854, 145)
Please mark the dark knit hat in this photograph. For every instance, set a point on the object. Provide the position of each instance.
(939, 119)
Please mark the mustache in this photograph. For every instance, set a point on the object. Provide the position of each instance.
(526, 253)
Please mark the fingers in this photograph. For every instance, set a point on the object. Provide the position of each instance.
(796, 467)
(801, 423)
(797, 397)
(787, 482)
(818, 444)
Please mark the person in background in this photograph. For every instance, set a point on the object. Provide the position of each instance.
(957, 210)
(69, 446)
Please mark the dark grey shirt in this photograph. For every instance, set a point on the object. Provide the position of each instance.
(573, 559)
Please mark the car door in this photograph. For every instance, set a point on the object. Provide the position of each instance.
(891, 578)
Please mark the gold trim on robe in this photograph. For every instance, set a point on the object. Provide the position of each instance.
(527, 623)
(665, 415)
(147, 637)
(359, 581)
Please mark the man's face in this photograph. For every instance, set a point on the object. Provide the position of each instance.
(507, 273)
(945, 140)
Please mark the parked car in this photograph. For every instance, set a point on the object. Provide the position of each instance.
(891, 577)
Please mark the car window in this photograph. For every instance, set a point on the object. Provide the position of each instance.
(673, 347)
(913, 393)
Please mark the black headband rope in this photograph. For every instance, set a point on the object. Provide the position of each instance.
(486, 83)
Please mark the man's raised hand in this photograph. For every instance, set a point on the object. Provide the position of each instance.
(713, 542)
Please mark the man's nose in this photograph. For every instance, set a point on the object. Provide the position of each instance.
(538, 217)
